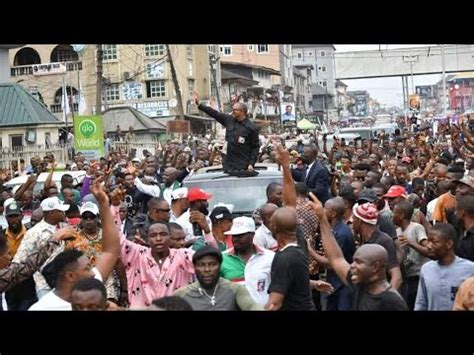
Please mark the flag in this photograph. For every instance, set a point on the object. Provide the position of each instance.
(65, 102)
(82, 101)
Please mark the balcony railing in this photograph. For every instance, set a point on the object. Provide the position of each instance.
(56, 108)
(22, 70)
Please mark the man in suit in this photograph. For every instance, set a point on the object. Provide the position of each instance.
(314, 174)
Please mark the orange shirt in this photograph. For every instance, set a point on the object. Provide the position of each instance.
(445, 201)
(14, 241)
(465, 296)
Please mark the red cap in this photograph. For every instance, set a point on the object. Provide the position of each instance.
(407, 160)
(396, 191)
(196, 193)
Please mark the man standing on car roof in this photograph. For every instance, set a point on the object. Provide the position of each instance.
(241, 137)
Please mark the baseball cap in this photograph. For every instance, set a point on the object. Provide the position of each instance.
(182, 192)
(205, 251)
(366, 212)
(12, 209)
(367, 195)
(219, 214)
(407, 160)
(195, 193)
(187, 149)
(53, 203)
(241, 225)
(136, 160)
(396, 191)
(466, 180)
(89, 207)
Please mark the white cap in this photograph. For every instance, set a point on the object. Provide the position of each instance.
(182, 192)
(6, 203)
(187, 149)
(136, 160)
(89, 207)
(53, 203)
(241, 225)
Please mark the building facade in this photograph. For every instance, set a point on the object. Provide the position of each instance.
(132, 75)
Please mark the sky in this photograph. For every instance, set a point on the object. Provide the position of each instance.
(387, 91)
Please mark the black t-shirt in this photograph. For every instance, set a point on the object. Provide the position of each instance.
(384, 240)
(389, 300)
(290, 277)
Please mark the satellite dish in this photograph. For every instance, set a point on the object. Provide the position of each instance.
(172, 103)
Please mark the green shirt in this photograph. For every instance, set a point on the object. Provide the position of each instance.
(232, 267)
(200, 243)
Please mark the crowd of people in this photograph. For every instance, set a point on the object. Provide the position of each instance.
(380, 224)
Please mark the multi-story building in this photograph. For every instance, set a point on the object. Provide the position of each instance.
(132, 75)
(321, 56)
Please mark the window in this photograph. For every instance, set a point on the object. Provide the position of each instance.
(323, 83)
(322, 68)
(16, 141)
(111, 93)
(190, 67)
(225, 50)
(63, 53)
(109, 51)
(299, 55)
(250, 47)
(211, 49)
(189, 51)
(152, 50)
(155, 88)
(191, 86)
(322, 53)
(262, 48)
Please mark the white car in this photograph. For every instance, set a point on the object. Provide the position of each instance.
(78, 176)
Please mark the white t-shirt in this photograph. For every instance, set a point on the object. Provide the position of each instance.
(263, 238)
(51, 302)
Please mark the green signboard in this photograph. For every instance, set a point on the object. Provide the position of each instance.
(89, 136)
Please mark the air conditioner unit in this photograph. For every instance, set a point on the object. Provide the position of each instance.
(126, 75)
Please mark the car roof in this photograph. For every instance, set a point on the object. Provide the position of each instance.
(217, 173)
(43, 176)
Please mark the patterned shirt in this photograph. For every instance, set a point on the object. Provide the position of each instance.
(310, 225)
(146, 281)
(33, 238)
(18, 272)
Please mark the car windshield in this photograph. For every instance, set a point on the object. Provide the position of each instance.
(244, 194)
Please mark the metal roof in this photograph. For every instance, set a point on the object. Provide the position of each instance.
(127, 116)
(19, 108)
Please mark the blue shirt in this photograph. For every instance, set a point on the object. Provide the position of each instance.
(345, 240)
(439, 283)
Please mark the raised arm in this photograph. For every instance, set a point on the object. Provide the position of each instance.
(223, 119)
(110, 240)
(282, 157)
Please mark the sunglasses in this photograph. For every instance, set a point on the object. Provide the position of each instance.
(162, 210)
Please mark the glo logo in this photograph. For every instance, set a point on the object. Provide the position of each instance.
(87, 128)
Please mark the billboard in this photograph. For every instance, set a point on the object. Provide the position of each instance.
(424, 91)
(89, 136)
(288, 115)
(178, 126)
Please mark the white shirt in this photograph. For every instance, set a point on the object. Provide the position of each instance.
(258, 275)
(264, 238)
(430, 207)
(152, 190)
(187, 226)
(51, 302)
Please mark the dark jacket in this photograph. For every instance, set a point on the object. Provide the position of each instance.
(242, 140)
(316, 179)
(129, 229)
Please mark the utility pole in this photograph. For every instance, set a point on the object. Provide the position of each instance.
(98, 100)
(213, 63)
(176, 84)
(443, 65)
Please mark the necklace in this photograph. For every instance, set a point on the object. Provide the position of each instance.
(212, 298)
